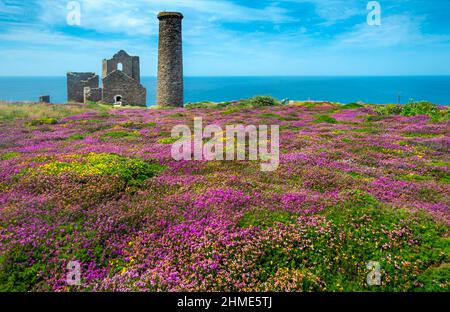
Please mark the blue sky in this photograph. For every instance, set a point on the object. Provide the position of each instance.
(231, 37)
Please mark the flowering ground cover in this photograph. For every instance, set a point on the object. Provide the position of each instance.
(355, 184)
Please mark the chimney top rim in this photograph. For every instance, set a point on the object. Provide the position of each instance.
(163, 15)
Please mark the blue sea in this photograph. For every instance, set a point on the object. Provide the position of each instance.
(379, 90)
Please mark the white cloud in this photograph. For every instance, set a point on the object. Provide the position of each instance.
(138, 17)
(210, 48)
(35, 37)
(396, 30)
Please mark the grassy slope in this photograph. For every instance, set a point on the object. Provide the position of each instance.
(314, 224)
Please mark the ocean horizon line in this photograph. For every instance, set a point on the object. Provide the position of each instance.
(251, 76)
(343, 89)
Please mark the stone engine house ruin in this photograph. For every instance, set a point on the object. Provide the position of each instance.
(121, 75)
(76, 82)
(121, 83)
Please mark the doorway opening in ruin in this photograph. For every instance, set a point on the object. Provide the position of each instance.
(118, 100)
(120, 66)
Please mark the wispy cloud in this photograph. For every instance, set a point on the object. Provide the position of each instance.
(226, 37)
(395, 31)
(138, 17)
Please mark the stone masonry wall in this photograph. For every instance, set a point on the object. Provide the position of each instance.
(130, 65)
(119, 84)
(136, 69)
(170, 60)
(76, 82)
(92, 94)
(44, 99)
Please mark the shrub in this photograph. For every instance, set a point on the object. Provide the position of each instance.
(177, 115)
(420, 108)
(43, 121)
(390, 109)
(352, 105)
(262, 101)
(415, 109)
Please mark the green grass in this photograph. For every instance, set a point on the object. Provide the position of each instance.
(374, 118)
(269, 115)
(368, 129)
(36, 111)
(438, 163)
(415, 177)
(265, 218)
(420, 135)
(167, 140)
(119, 134)
(435, 278)
(9, 155)
(43, 121)
(352, 106)
(200, 105)
(177, 115)
(355, 175)
(357, 232)
(131, 170)
(288, 118)
(230, 111)
(325, 119)
(75, 137)
(150, 125)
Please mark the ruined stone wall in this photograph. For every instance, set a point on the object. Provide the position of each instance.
(130, 65)
(44, 99)
(136, 69)
(76, 82)
(170, 60)
(131, 92)
(92, 94)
